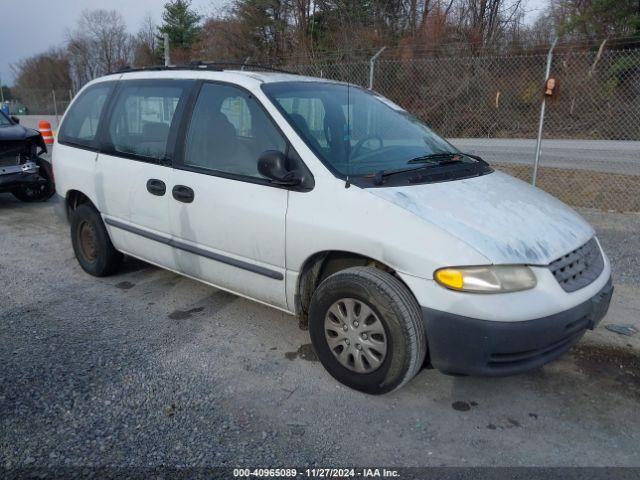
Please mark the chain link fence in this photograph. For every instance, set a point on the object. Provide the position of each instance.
(489, 105)
(36, 101)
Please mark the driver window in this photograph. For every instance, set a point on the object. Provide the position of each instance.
(229, 131)
(308, 115)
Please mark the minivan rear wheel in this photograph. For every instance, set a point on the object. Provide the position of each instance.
(366, 328)
(91, 242)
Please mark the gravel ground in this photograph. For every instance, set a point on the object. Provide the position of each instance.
(148, 368)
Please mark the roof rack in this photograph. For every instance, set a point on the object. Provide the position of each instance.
(242, 66)
(199, 65)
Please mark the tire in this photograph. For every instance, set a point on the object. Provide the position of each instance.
(91, 242)
(39, 192)
(396, 352)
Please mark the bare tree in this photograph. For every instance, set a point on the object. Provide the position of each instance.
(37, 76)
(145, 52)
(99, 44)
(485, 21)
(221, 39)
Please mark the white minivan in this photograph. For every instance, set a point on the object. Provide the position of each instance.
(332, 203)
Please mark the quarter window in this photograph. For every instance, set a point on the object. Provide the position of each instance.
(141, 119)
(80, 125)
(229, 131)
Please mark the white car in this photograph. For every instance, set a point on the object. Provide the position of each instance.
(329, 202)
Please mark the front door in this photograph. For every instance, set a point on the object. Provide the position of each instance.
(228, 222)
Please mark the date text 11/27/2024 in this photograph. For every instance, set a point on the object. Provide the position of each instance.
(316, 472)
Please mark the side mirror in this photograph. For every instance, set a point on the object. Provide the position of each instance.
(15, 119)
(273, 165)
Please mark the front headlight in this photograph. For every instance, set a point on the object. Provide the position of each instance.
(489, 279)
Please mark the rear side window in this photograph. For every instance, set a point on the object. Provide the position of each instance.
(80, 126)
(141, 119)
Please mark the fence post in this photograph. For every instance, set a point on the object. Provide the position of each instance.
(372, 63)
(542, 108)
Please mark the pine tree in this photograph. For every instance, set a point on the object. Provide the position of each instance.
(181, 23)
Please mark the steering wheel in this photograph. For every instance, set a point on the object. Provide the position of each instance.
(362, 141)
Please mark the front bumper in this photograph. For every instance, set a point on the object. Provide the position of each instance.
(468, 346)
(16, 176)
(13, 176)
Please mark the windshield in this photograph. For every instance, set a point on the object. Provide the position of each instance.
(355, 131)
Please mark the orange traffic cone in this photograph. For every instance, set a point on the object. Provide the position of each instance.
(45, 131)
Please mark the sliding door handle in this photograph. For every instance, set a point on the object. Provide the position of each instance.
(156, 187)
(183, 194)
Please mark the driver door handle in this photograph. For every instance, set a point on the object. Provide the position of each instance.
(183, 194)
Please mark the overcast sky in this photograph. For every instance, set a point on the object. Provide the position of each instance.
(29, 27)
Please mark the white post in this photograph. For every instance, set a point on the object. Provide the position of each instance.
(372, 63)
(167, 56)
(542, 109)
(55, 107)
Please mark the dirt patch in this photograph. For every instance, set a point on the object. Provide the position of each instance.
(221, 299)
(508, 423)
(305, 352)
(125, 285)
(583, 188)
(463, 406)
(620, 367)
(184, 314)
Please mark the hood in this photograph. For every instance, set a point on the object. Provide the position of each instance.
(503, 218)
(13, 138)
(15, 132)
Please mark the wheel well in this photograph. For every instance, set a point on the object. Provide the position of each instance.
(75, 198)
(319, 266)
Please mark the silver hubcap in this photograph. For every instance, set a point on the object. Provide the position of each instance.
(355, 335)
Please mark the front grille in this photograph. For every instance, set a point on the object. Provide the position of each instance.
(10, 152)
(579, 268)
(9, 161)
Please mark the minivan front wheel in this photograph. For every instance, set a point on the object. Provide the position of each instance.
(91, 243)
(366, 328)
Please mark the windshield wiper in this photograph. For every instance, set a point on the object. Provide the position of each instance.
(432, 160)
(439, 158)
(380, 175)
